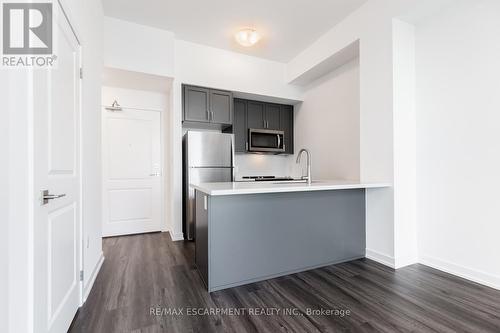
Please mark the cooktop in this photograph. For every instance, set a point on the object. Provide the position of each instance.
(266, 178)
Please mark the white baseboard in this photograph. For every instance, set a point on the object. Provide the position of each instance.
(176, 236)
(93, 276)
(401, 262)
(463, 272)
(380, 258)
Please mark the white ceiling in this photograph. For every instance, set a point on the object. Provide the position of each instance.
(287, 26)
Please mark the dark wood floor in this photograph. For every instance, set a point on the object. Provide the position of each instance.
(150, 271)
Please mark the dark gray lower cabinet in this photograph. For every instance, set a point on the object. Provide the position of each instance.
(201, 255)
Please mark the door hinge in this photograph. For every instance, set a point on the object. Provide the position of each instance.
(81, 72)
(81, 275)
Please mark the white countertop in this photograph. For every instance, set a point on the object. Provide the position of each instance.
(218, 189)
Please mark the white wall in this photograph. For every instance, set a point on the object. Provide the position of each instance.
(4, 202)
(207, 66)
(405, 228)
(327, 123)
(458, 140)
(135, 98)
(372, 25)
(138, 48)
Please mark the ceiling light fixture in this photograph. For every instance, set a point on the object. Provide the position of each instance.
(247, 37)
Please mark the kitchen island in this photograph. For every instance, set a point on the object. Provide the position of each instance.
(248, 232)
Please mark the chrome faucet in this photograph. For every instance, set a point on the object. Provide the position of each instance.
(308, 177)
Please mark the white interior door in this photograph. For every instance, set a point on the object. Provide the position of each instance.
(132, 172)
(57, 221)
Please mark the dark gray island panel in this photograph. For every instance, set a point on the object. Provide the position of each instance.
(202, 241)
(254, 237)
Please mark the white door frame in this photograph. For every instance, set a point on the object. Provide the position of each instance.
(80, 152)
(80, 141)
(163, 221)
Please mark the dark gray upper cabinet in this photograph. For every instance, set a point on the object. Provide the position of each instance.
(260, 115)
(263, 115)
(196, 104)
(255, 114)
(205, 105)
(272, 116)
(286, 125)
(240, 126)
(221, 107)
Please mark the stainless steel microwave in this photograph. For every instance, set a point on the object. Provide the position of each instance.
(266, 141)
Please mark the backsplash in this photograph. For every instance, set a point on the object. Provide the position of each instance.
(263, 165)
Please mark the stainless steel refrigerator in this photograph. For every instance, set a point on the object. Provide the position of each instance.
(208, 157)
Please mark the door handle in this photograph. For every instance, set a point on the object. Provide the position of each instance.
(279, 140)
(46, 196)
